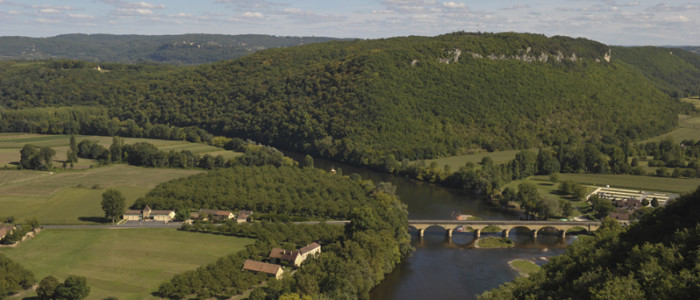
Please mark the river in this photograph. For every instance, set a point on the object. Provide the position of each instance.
(450, 268)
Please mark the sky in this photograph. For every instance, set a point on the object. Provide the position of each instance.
(625, 22)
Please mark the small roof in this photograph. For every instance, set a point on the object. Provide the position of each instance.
(161, 212)
(215, 212)
(146, 208)
(309, 248)
(132, 212)
(259, 266)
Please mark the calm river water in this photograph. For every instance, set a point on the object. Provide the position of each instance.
(450, 268)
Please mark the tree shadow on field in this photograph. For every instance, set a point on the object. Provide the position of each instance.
(95, 219)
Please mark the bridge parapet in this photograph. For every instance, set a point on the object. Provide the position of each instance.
(504, 225)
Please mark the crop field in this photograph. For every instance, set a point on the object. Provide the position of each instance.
(73, 197)
(646, 183)
(11, 143)
(122, 263)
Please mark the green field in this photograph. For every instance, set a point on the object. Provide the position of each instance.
(688, 129)
(524, 267)
(11, 143)
(73, 197)
(124, 263)
(456, 162)
(646, 183)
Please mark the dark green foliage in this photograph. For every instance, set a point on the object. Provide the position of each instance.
(73, 288)
(364, 102)
(674, 71)
(47, 287)
(656, 258)
(267, 189)
(35, 158)
(171, 49)
(13, 277)
(113, 204)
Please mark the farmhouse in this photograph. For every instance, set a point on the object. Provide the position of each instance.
(295, 257)
(269, 269)
(217, 214)
(147, 214)
(277, 255)
(243, 216)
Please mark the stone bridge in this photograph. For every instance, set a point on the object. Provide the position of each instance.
(505, 226)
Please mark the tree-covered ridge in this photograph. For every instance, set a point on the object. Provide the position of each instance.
(657, 258)
(171, 49)
(266, 189)
(365, 100)
(674, 71)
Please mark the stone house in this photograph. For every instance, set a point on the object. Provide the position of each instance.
(269, 269)
(217, 214)
(147, 214)
(295, 257)
(243, 216)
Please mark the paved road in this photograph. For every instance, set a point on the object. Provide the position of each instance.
(128, 224)
(137, 224)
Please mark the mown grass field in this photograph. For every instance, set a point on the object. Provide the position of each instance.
(646, 183)
(122, 263)
(11, 143)
(73, 197)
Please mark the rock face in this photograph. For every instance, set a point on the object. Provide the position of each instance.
(527, 56)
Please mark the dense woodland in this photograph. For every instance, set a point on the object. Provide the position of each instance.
(266, 189)
(674, 71)
(362, 102)
(656, 258)
(170, 49)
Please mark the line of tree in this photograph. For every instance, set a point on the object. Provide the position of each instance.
(36, 158)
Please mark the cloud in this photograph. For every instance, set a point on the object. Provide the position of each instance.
(517, 7)
(453, 5)
(49, 11)
(677, 19)
(309, 16)
(253, 15)
(48, 21)
(81, 16)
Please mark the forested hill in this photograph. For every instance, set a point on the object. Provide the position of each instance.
(657, 258)
(172, 49)
(373, 102)
(674, 71)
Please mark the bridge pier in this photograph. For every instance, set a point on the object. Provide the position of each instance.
(477, 232)
(504, 233)
(534, 233)
(448, 232)
(562, 233)
(421, 232)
